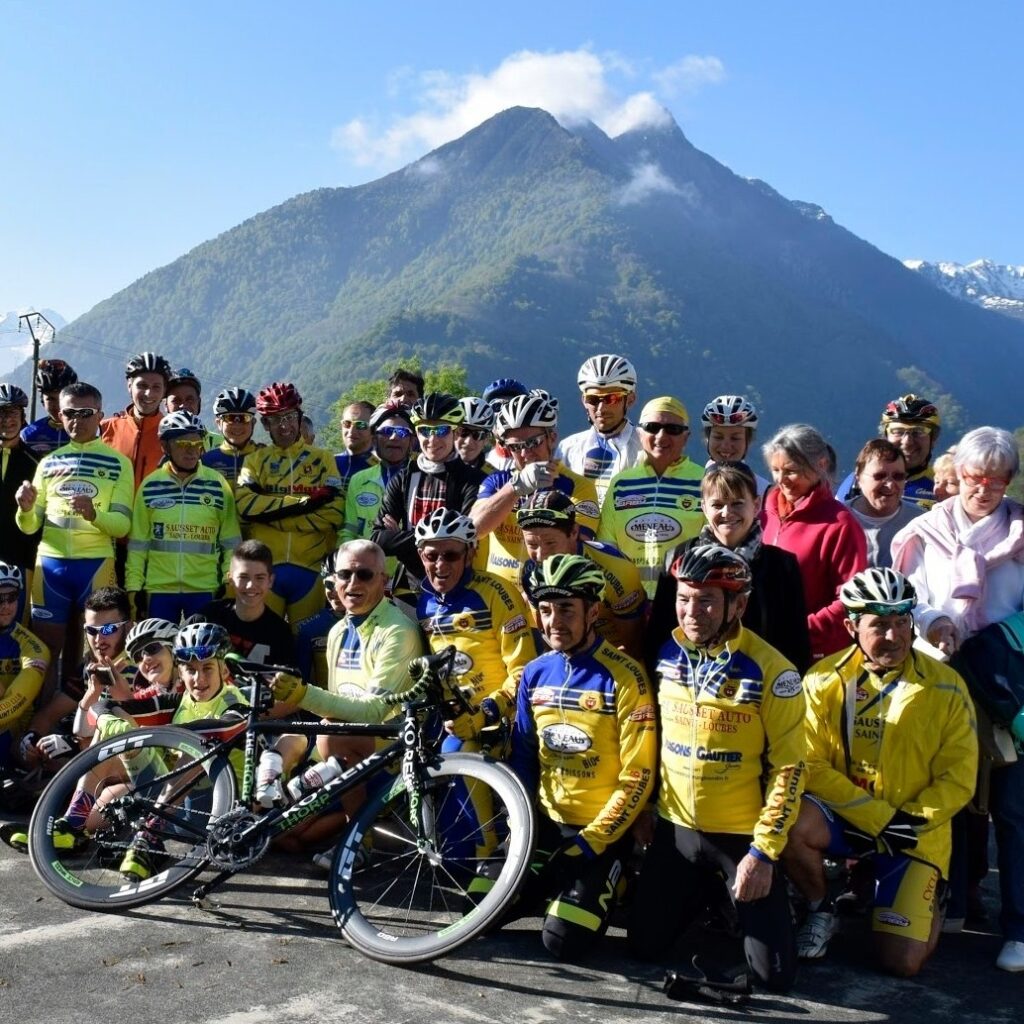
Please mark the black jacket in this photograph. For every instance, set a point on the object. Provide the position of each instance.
(16, 548)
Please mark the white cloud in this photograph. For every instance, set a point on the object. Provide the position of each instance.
(649, 180)
(689, 74)
(573, 85)
(428, 167)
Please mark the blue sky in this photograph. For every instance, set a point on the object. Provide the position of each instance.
(136, 131)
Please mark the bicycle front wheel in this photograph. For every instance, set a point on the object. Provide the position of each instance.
(419, 874)
(150, 798)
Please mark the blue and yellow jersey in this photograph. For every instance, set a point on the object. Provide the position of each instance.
(43, 436)
(733, 743)
(227, 460)
(645, 515)
(504, 552)
(585, 738)
(290, 498)
(311, 646)
(96, 471)
(23, 663)
(183, 532)
(489, 626)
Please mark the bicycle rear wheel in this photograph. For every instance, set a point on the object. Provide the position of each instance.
(403, 893)
(142, 782)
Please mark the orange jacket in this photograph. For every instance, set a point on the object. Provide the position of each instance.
(138, 443)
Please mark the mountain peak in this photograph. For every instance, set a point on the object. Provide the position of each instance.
(995, 286)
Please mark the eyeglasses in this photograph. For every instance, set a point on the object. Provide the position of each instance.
(9, 597)
(237, 417)
(613, 399)
(997, 483)
(401, 433)
(442, 556)
(900, 432)
(107, 629)
(283, 417)
(440, 430)
(355, 424)
(201, 653)
(873, 608)
(472, 433)
(528, 445)
(151, 650)
(345, 576)
(189, 446)
(672, 429)
(78, 414)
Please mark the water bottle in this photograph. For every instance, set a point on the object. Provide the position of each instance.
(313, 778)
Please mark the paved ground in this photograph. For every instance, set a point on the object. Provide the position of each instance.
(271, 955)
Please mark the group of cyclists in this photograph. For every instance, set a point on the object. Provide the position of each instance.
(718, 687)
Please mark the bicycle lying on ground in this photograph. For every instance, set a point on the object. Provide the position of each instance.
(399, 885)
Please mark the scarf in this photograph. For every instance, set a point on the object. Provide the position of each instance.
(749, 548)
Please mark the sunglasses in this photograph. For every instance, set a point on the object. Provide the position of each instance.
(401, 433)
(345, 576)
(282, 417)
(441, 430)
(442, 556)
(9, 597)
(472, 433)
(526, 446)
(190, 446)
(615, 398)
(902, 608)
(237, 417)
(997, 483)
(150, 650)
(355, 424)
(107, 629)
(78, 414)
(201, 653)
(672, 429)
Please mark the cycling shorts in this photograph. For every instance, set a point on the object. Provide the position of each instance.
(908, 892)
(297, 593)
(61, 586)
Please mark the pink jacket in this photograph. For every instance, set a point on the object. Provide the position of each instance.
(829, 546)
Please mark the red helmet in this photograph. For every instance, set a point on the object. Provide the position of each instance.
(278, 397)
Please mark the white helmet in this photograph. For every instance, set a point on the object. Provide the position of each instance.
(478, 413)
(446, 524)
(878, 591)
(537, 409)
(607, 371)
(729, 411)
(11, 576)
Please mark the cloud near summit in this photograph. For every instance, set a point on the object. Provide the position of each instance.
(574, 86)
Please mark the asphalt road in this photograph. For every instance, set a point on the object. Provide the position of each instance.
(270, 954)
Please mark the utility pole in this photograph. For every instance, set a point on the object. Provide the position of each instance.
(32, 320)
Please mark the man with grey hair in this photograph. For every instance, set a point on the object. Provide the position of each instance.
(368, 655)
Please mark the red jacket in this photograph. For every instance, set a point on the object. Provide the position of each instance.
(139, 444)
(829, 546)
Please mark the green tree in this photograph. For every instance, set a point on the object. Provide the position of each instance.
(448, 377)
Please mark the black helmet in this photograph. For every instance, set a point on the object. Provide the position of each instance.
(438, 407)
(147, 362)
(185, 376)
(712, 565)
(390, 410)
(11, 394)
(233, 400)
(54, 374)
(911, 409)
(550, 507)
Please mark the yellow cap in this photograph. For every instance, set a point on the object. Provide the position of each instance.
(664, 404)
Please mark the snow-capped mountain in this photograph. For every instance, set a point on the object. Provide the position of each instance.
(15, 346)
(992, 285)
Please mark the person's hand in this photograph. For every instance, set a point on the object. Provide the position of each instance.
(643, 828)
(900, 833)
(942, 634)
(535, 476)
(753, 879)
(390, 522)
(26, 496)
(81, 505)
(288, 689)
(27, 749)
(56, 745)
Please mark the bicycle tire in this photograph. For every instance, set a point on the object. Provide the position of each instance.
(409, 903)
(87, 875)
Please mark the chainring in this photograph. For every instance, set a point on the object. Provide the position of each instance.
(231, 846)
